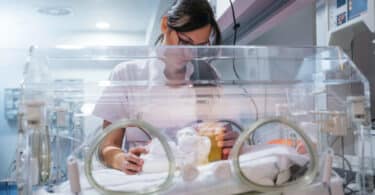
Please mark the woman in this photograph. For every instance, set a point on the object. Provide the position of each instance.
(188, 22)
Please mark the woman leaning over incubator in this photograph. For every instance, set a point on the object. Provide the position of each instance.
(188, 22)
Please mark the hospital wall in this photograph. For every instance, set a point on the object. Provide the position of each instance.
(296, 30)
(11, 65)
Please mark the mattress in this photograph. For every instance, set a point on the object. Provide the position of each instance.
(267, 166)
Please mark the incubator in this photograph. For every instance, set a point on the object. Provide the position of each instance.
(301, 116)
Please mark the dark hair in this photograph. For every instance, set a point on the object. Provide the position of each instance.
(189, 15)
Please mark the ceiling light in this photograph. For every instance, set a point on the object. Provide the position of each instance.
(55, 11)
(103, 25)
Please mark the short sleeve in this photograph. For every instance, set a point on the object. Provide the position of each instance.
(111, 105)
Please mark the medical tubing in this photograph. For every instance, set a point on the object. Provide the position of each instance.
(327, 167)
(45, 156)
(306, 179)
(124, 123)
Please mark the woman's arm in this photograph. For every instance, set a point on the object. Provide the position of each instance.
(111, 146)
(113, 156)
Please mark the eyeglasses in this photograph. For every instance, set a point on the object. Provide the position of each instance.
(186, 40)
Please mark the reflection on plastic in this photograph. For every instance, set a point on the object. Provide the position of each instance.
(268, 185)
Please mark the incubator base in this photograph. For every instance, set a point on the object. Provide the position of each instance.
(212, 179)
(224, 188)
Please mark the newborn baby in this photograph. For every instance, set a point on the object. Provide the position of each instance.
(191, 150)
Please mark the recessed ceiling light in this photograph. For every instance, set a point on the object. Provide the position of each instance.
(102, 25)
(55, 11)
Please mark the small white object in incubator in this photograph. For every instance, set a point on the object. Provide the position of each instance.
(186, 140)
(192, 149)
(189, 142)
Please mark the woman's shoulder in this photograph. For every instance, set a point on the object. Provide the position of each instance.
(131, 70)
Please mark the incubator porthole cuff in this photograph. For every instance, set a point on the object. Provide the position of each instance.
(305, 180)
(93, 147)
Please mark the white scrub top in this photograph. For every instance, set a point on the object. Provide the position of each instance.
(166, 108)
(162, 106)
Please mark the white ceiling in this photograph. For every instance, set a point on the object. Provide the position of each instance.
(133, 22)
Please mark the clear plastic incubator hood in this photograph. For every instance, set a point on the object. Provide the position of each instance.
(301, 116)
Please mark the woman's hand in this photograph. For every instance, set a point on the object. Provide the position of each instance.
(131, 163)
(226, 141)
